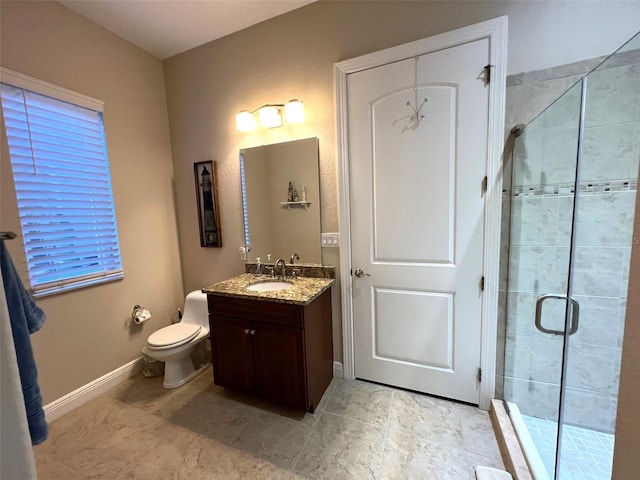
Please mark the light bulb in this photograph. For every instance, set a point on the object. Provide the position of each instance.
(245, 121)
(294, 111)
(270, 117)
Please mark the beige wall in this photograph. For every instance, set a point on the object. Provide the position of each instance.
(292, 56)
(289, 56)
(296, 230)
(87, 333)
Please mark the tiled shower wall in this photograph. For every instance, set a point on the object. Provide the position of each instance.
(537, 211)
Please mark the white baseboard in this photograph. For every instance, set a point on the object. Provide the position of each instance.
(338, 370)
(82, 395)
(91, 390)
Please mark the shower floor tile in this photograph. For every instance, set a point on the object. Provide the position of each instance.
(586, 454)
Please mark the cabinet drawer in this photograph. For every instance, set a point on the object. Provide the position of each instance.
(268, 312)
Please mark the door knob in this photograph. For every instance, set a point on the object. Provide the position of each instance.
(359, 273)
(246, 330)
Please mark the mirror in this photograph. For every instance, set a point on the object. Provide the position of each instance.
(274, 222)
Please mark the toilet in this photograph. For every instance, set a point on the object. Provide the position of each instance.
(174, 344)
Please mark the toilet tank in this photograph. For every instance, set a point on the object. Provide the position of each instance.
(196, 311)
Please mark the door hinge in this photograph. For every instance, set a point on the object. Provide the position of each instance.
(487, 74)
(479, 376)
(485, 185)
(482, 283)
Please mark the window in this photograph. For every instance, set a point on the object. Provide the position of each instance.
(245, 207)
(61, 174)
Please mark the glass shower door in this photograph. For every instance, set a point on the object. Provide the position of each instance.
(572, 204)
(603, 225)
(542, 191)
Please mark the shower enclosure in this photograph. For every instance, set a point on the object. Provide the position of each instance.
(568, 225)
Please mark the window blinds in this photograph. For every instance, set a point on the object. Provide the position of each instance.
(245, 207)
(63, 186)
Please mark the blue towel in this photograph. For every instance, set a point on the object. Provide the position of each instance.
(26, 318)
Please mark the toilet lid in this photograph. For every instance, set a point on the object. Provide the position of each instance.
(174, 335)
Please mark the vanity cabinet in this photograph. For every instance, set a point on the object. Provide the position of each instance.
(278, 351)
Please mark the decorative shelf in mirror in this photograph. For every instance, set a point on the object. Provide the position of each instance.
(291, 205)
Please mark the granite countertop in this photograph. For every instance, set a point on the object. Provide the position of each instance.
(303, 291)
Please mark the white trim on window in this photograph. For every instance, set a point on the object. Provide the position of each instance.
(61, 175)
(44, 88)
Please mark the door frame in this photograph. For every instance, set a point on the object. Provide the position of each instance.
(496, 31)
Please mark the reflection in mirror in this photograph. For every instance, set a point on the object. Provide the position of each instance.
(274, 223)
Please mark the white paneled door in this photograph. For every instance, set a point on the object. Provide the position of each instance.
(418, 136)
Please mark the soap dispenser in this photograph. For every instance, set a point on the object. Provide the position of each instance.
(258, 266)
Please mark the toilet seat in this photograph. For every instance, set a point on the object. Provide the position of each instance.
(173, 336)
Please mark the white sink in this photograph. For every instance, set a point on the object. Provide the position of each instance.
(269, 286)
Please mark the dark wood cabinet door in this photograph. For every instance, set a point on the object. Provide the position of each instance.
(280, 364)
(231, 348)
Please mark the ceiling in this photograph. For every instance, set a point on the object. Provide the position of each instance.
(167, 27)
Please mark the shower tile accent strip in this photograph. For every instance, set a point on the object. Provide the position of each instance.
(567, 188)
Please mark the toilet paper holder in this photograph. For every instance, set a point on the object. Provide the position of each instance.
(140, 314)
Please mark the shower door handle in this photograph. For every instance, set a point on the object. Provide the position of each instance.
(575, 314)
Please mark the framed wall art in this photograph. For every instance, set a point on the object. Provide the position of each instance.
(206, 180)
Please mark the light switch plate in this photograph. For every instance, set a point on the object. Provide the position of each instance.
(330, 240)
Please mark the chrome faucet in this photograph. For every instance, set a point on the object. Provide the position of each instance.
(284, 267)
(294, 257)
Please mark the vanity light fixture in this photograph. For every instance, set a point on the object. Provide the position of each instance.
(270, 115)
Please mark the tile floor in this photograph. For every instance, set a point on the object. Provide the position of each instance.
(360, 430)
(586, 454)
